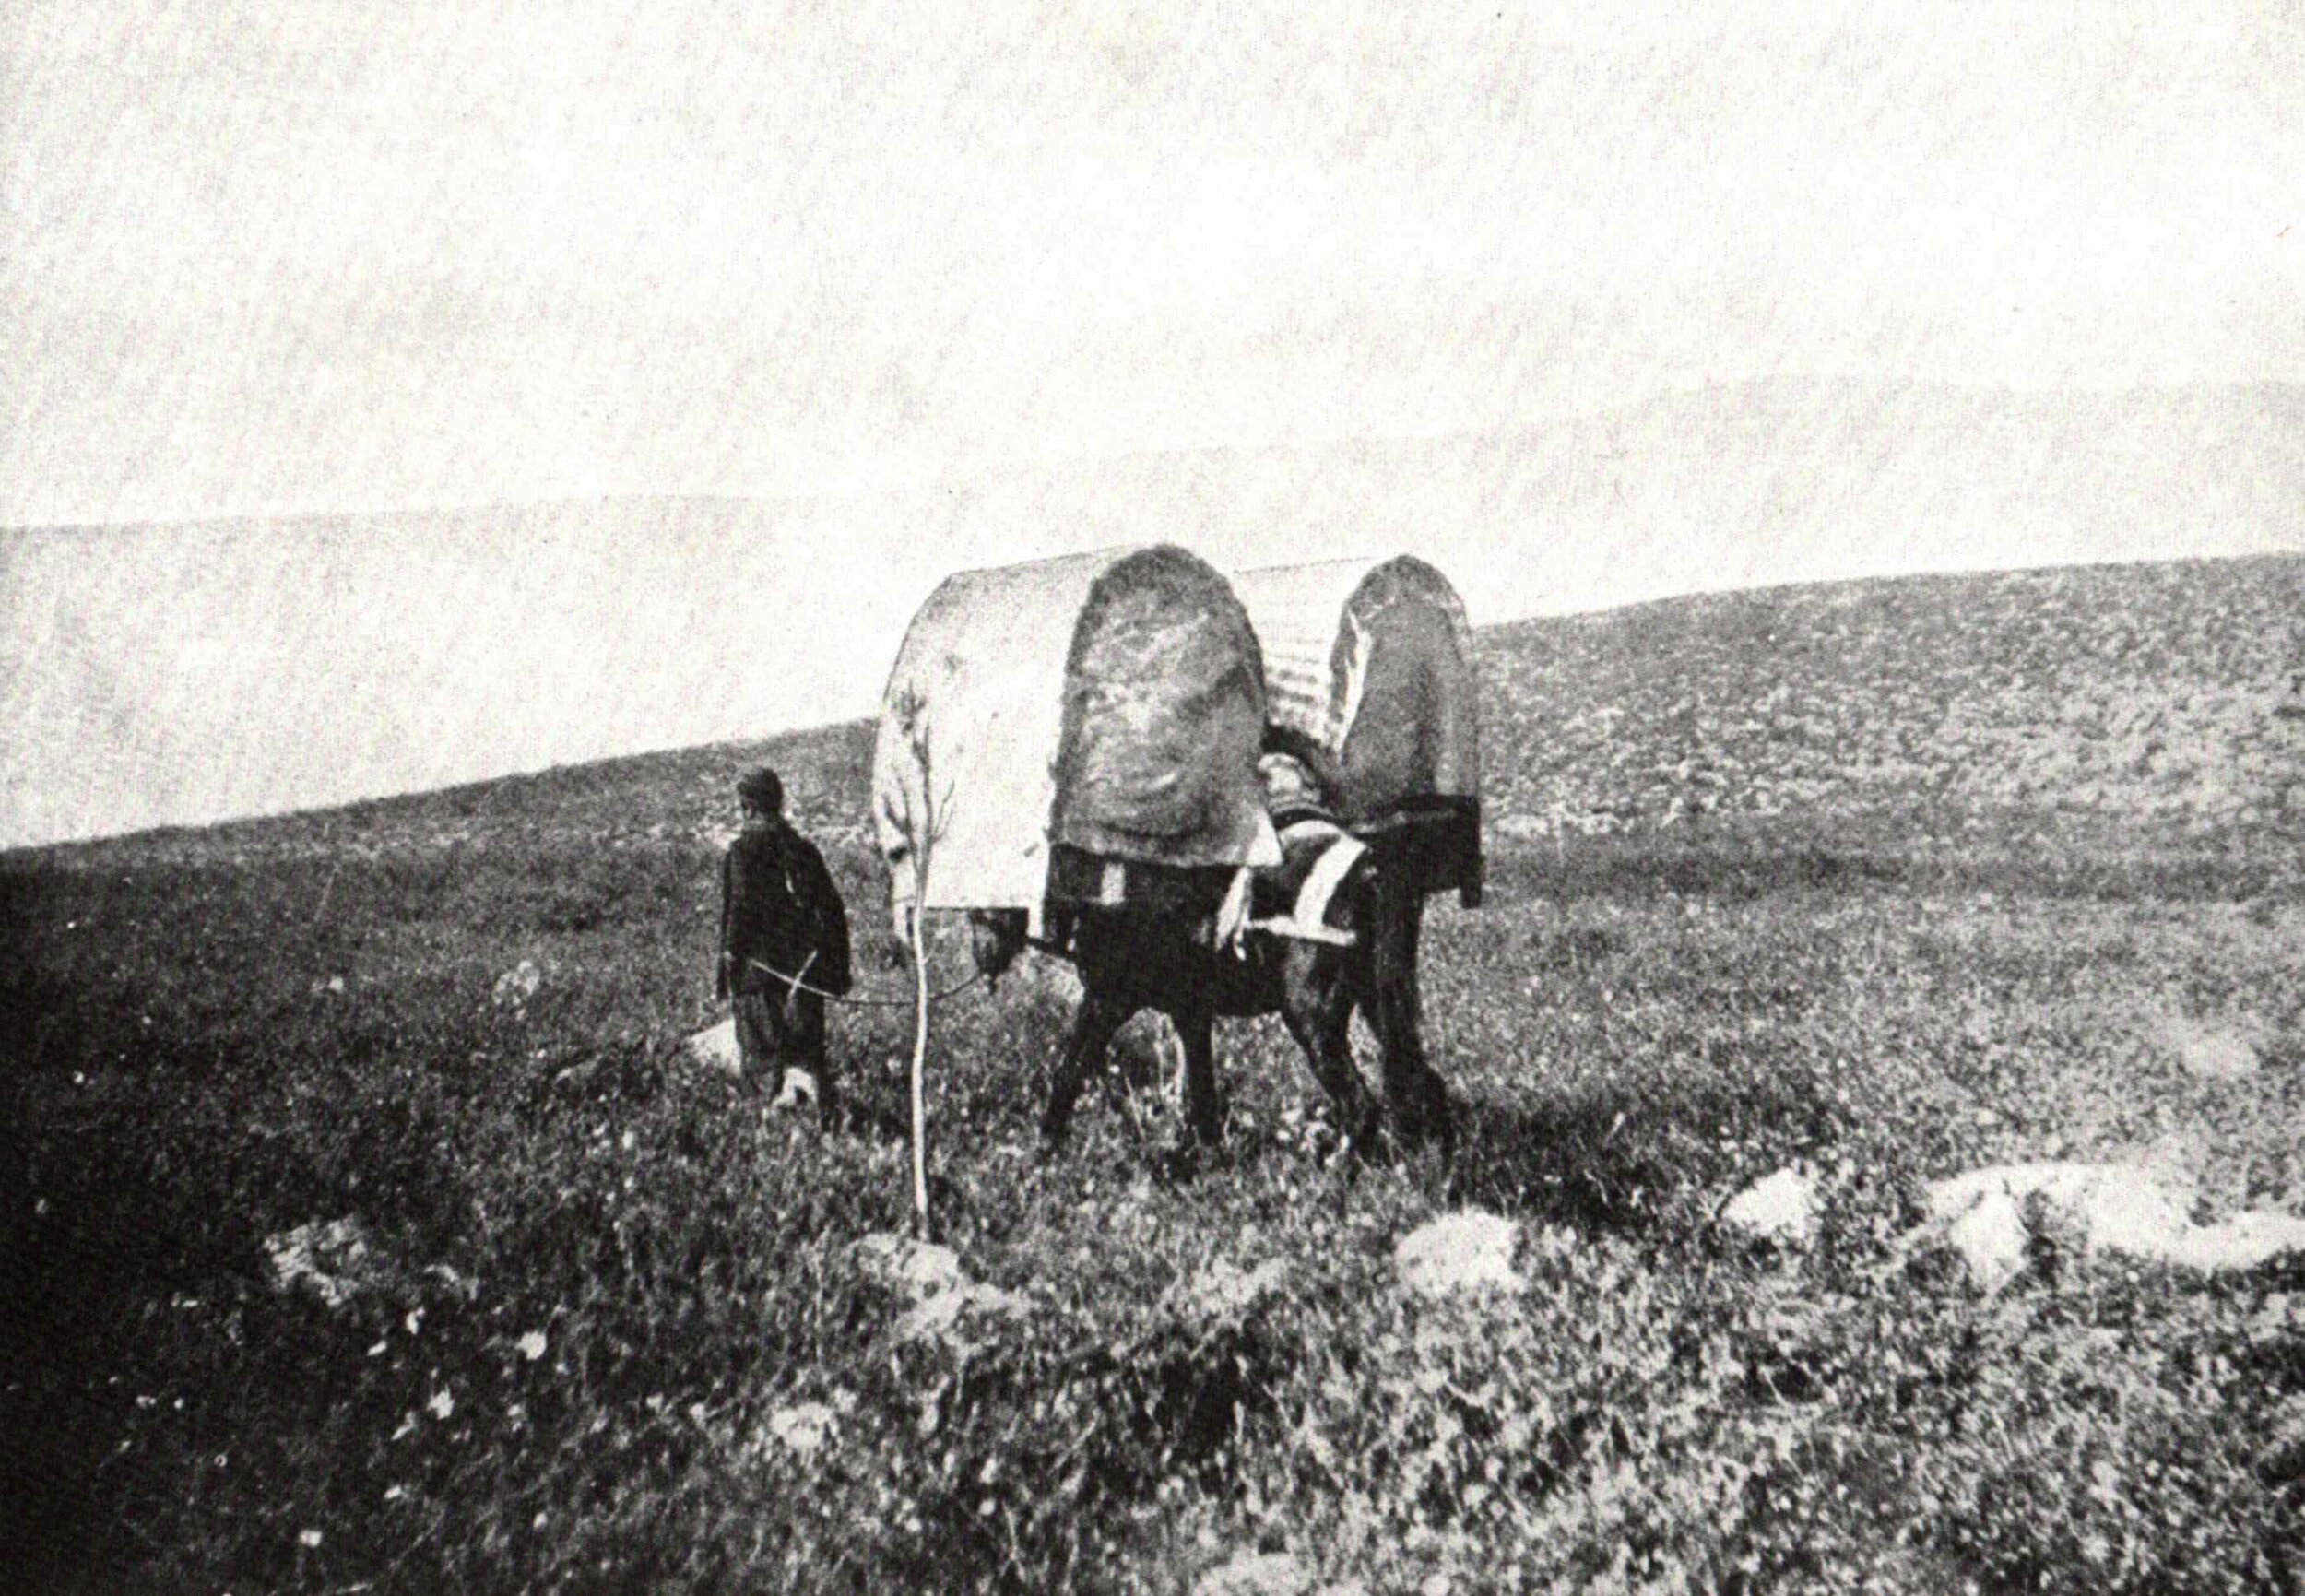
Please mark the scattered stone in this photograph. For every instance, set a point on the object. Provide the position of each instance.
(1469, 1250)
(1780, 1208)
(2211, 1052)
(332, 1261)
(716, 1048)
(2241, 1242)
(2134, 1210)
(803, 1428)
(922, 1268)
(940, 1317)
(943, 1297)
(2142, 1213)
(1224, 1292)
(1990, 1236)
(517, 985)
(1257, 1574)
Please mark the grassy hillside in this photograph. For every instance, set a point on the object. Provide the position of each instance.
(1886, 879)
(175, 673)
(2170, 696)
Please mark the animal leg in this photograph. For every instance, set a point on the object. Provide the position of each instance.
(1204, 1105)
(1418, 1095)
(1326, 1035)
(1099, 1021)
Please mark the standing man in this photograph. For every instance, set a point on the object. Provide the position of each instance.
(783, 931)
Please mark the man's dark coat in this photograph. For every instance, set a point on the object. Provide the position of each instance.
(779, 906)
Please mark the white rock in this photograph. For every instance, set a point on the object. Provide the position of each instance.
(1459, 1252)
(803, 1428)
(922, 1268)
(1780, 1208)
(943, 1297)
(2215, 1053)
(519, 984)
(1256, 1573)
(2244, 1241)
(2142, 1213)
(331, 1260)
(1989, 1235)
(941, 1315)
(716, 1048)
(1224, 1291)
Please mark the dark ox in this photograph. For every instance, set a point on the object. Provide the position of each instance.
(1133, 958)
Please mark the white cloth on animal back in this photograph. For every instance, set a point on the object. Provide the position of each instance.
(989, 666)
(988, 672)
(1371, 662)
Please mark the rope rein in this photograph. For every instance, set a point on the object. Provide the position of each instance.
(797, 985)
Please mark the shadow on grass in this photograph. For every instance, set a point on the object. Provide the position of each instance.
(2027, 856)
(1628, 1155)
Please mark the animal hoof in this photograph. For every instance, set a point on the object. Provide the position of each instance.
(1431, 1120)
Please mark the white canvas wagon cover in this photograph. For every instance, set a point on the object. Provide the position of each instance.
(1111, 703)
(1369, 676)
(1371, 663)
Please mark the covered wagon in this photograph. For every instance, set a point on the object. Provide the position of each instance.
(1081, 729)
(1369, 679)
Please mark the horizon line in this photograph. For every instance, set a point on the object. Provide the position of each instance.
(1615, 605)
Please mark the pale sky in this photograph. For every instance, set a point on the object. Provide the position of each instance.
(269, 256)
(305, 257)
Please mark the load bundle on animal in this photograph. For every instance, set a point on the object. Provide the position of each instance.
(1369, 679)
(1083, 729)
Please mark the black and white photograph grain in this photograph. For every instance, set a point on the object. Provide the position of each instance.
(1257, 799)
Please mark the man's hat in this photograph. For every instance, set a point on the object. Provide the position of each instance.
(762, 790)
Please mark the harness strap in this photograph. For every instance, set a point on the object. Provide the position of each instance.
(1328, 871)
(1298, 932)
(1309, 918)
